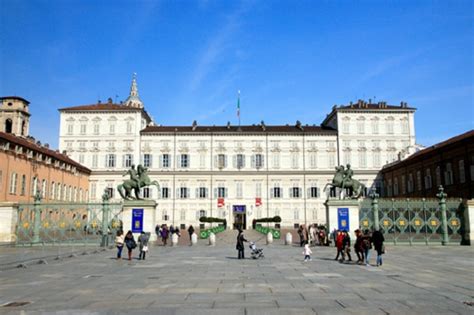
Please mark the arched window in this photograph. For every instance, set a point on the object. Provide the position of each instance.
(23, 128)
(8, 125)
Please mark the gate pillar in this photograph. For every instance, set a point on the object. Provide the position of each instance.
(138, 216)
(444, 219)
(8, 222)
(343, 215)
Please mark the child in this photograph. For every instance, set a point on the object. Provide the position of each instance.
(307, 252)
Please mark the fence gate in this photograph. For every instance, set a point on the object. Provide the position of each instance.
(413, 221)
(68, 223)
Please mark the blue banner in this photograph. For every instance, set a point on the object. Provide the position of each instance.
(343, 219)
(137, 220)
(239, 209)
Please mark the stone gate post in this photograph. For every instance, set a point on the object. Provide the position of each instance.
(444, 219)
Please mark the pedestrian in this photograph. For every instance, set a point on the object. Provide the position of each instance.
(358, 246)
(240, 244)
(190, 232)
(164, 234)
(307, 252)
(346, 246)
(157, 231)
(300, 234)
(130, 243)
(171, 230)
(377, 240)
(367, 246)
(143, 240)
(339, 243)
(311, 235)
(119, 240)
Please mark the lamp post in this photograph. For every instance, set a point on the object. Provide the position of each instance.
(442, 207)
(375, 208)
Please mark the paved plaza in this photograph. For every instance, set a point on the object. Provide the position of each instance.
(210, 280)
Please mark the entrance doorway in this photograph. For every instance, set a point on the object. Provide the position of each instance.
(240, 217)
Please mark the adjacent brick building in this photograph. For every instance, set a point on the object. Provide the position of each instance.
(449, 163)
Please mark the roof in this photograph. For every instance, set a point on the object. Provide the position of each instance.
(104, 107)
(434, 148)
(241, 129)
(41, 149)
(15, 98)
(368, 106)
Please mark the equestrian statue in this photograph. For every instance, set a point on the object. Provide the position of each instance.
(138, 179)
(343, 179)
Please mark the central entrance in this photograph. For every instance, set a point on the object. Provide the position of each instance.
(240, 217)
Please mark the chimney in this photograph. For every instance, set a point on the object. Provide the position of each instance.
(99, 102)
(228, 125)
(298, 125)
(64, 152)
(109, 100)
(46, 145)
(351, 104)
(194, 125)
(262, 124)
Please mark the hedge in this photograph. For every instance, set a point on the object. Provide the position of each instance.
(264, 230)
(212, 220)
(205, 233)
(275, 219)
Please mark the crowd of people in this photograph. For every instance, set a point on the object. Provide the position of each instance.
(364, 243)
(314, 235)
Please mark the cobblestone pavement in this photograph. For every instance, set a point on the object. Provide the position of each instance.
(210, 280)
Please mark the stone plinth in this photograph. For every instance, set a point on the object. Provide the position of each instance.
(469, 222)
(343, 215)
(147, 208)
(8, 221)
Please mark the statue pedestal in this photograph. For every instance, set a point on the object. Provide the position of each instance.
(343, 215)
(138, 216)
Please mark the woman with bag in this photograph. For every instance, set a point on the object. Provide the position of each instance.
(377, 240)
(130, 243)
(143, 240)
(119, 239)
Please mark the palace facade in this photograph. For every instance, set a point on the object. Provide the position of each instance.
(239, 173)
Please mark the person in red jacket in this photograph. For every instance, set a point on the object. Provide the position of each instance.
(339, 243)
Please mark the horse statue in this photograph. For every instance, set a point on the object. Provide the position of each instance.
(138, 179)
(343, 179)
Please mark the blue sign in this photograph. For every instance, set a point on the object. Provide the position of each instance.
(239, 209)
(137, 220)
(343, 219)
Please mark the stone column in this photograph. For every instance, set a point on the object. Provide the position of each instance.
(8, 222)
(468, 222)
(148, 222)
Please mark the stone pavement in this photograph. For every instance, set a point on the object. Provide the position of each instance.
(210, 280)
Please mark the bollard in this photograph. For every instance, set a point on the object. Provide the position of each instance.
(194, 239)
(212, 239)
(269, 238)
(174, 239)
(288, 239)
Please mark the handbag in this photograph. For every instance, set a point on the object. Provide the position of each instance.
(383, 249)
(145, 248)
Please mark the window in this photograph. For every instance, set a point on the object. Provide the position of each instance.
(221, 161)
(361, 126)
(395, 186)
(81, 158)
(376, 157)
(202, 192)
(129, 127)
(202, 160)
(448, 175)
(240, 161)
(165, 193)
(34, 185)
(70, 129)
(110, 192)
(438, 176)
(221, 192)
(13, 180)
(313, 160)
(183, 193)
(418, 180)
(94, 160)
(428, 182)
(362, 159)
(146, 192)
(43, 188)
(52, 191)
(83, 128)
(23, 185)
(127, 160)
(375, 126)
(112, 128)
(184, 160)
(404, 126)
(276, 160)
(390, 125)
(183, 217)
(96, 128)
(165, 160)
(238, 190)
(403, 182)
(58, 191)
(258, 190)
(462, 172)
(331, 159)
(296, 214)
(346, 155)
(410, 183)
(276, 192)
(345, 125)
(110, 160)
(313, 192)
(258, 161)
(147, 160)
(295, 192)
(294, 160)
(128, 144)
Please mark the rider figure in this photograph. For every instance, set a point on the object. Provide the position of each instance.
(133, 175)
(347, 178)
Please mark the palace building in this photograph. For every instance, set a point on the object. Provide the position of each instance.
(239, 173)
(28, 167)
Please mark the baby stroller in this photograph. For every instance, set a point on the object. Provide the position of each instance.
(256, 253)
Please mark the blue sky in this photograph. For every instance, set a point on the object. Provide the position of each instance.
(292, 60)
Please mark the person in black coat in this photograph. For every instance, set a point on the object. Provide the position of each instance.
(377, 240)
(190, 232)
(240, 244)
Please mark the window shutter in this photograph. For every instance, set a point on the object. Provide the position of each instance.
(263, 160)
(243, 161)
(234, 161)
(178, 164)
(290, 190)
(178, 196)
(308, 193)
(188, 192)
(272, 192)
(300, 192)
(253, 161)
(124, 157)
(151, 160)
(197, 193)
(226, 192)
(160, 161)
(106, 162)
(281, 192)
(215, 193)
(216, 161)
(206, 191)
(318, 193)
(158, 193)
